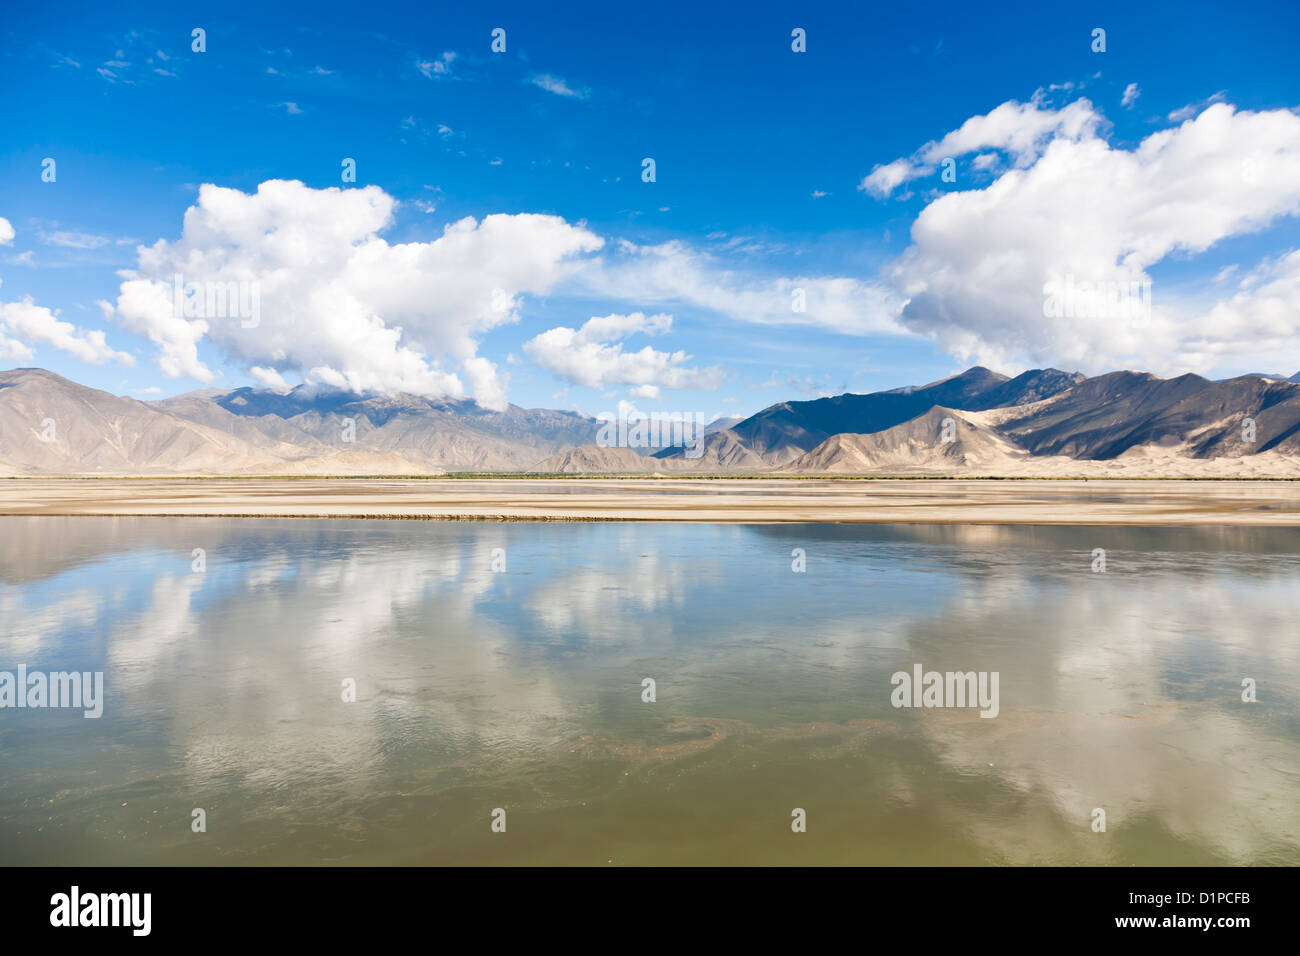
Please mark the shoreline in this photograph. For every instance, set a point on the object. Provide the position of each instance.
(758, 500)
(656, 476)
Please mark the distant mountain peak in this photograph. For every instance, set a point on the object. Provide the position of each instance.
(247, 430)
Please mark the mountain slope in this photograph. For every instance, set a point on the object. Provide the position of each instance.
(781, 433)
(915, 445)
(1104, 417)
(1043, 421)
(448, 435)
(93, 432)
(246, 431)
(595, 459)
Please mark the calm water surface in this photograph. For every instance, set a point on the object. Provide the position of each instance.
(522, 690)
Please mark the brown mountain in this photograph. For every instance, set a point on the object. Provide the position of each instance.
(940, 439)
(596, 460)
(1044, 421)
(250, 432)
(433, 433)
(53, 426)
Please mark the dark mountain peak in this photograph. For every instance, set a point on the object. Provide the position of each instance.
(980, 373)
(1039, 374)
(976, 376)
(1272, 376)
(1187, 377)
(789, 429)
(1126, 375)
(1026, 388)
(976, 373)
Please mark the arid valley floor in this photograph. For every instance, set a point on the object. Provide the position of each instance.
(759, 500)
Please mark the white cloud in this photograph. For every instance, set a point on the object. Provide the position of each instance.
(11, 350)
(594, 356)
(6, 232)
(1258, 324)
(74, 240)
(488, 387)
(974, 275)
(23, 322)
(1184, 113)
(438, 67)
(269, 378)
(558, 86)
(1022, 130)
(884, 179)
(674, 273)
(1131, 93)
(338, 304)
(145, 307)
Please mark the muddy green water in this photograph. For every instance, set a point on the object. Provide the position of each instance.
(522, 690)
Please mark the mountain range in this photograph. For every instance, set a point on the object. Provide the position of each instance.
(1043, 421)
(50, 425)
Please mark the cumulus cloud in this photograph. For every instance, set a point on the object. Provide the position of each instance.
(1022, 130)
(6, 232)
(886, 177)
(594, 356)
(338, 304)
(11, 350)
(269, 378)
(1078, 209)
(488, 386)
(342, 306)
(1261, 320)
(24, 322)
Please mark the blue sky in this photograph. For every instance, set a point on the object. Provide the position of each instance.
(761, 156)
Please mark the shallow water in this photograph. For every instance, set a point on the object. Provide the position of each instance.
(522, 690)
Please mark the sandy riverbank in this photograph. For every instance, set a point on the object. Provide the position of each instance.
(1072, 502)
